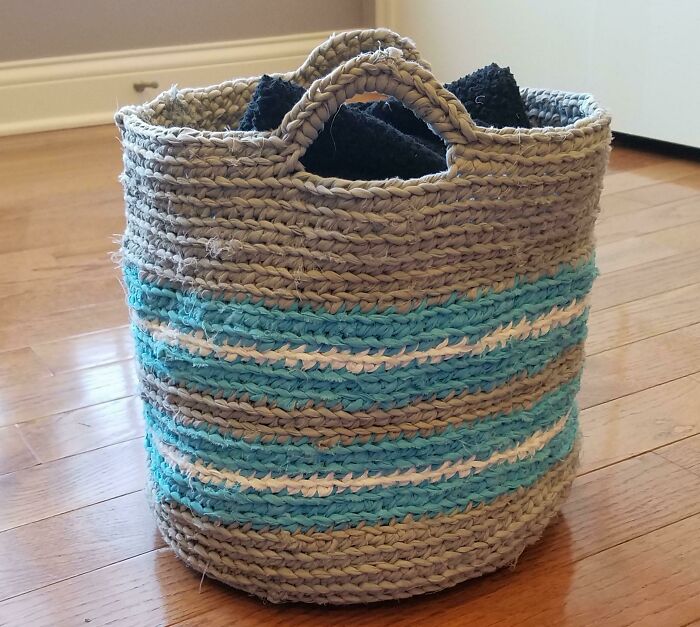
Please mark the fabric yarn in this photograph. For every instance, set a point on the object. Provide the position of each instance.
(358, 390)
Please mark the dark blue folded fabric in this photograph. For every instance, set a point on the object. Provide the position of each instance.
(384, 139)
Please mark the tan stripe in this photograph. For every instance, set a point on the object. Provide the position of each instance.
(239, 241)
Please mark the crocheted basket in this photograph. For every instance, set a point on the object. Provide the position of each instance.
(358, 390)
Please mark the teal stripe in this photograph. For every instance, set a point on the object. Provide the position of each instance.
(269, 327)
(477, 439)
(291, 387)
(370, 506)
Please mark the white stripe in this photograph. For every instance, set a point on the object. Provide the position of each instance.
(329, 484)
(363, 361)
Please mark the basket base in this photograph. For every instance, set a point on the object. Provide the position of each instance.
(367, 564)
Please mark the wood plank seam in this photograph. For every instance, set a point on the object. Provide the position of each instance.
(81, 574)
(90, 450)
(662, 456)
(29, 447)
(637, 391)
(646, 337)
(640, 454)
(68, 511)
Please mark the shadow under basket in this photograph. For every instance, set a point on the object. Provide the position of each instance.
(358, 390)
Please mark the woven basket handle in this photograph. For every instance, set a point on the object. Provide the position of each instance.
(384, 71)
(342, 47)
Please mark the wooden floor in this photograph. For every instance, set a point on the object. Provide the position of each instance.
(77, 544)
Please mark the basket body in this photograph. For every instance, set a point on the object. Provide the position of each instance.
(357, 391)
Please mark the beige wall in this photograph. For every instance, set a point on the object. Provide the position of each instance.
(32, 29)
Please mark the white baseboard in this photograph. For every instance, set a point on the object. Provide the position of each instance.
(84, 90)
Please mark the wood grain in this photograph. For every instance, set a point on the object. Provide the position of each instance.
(68, 484)
(86, 351)
(14, 452)
(73, 167)
(19, 301)
(614, 204)
(639, 422)
(67, 391)
(644, 280)
(685, 454)
(148, 590)
(651, 195)
(624, 158)
(643, 318)
(655, 246)
(109, 532)
(625, 205)
(671, 214)
(641, 365)
(20, 365)
(637, 180)
(55, 325)
(70, 235)
(83, 429)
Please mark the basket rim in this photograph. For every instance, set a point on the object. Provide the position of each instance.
(134, 119)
